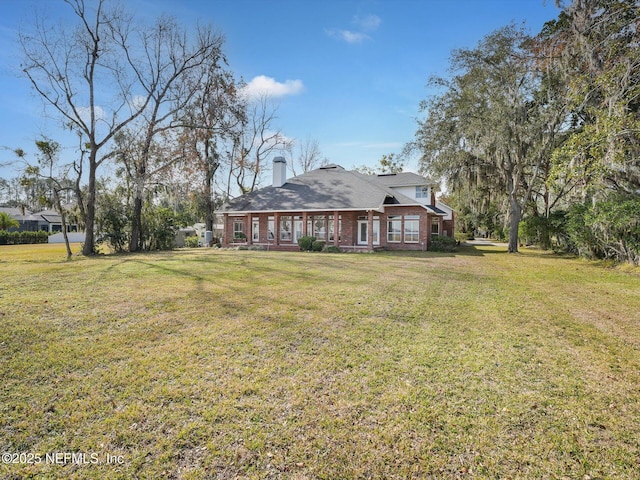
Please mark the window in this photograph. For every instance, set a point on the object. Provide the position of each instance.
(319, 227)
(394, 229)
(297, 228)
(255, 229)
(411, 228)
(271, 228)
(422, 192)
(238, 229)
(375, 236)
(435, 227)
(285, 228)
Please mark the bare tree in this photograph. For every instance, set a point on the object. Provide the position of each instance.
(173, 74)
(309, 157)
(108, 72)
(257, 142)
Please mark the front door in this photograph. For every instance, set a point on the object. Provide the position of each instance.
(363, 232)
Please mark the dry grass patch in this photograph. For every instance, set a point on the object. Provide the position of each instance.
(238, 364)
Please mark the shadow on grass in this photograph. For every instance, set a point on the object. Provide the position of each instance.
(461, 251)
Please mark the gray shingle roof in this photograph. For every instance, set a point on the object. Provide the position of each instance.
(327, 188)
(403, 179)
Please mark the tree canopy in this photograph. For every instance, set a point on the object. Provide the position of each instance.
(531, 125)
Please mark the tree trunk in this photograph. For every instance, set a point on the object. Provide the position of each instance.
(209, 215)
(136, 225)
(135, 242)
(88, 248)
(515, 214)
(63, 221)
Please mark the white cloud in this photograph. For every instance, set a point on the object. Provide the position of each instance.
(347, 35)
(263, 85)
(85, 113)
(368, 22)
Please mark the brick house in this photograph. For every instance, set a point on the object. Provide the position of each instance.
(344, 208)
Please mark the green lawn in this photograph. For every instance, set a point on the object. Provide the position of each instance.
(242, 364)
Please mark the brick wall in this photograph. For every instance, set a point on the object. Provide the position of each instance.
(349, 232)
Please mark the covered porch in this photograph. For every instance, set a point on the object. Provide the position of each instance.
(405, 228)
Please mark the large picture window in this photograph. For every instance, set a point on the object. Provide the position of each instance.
(394, 229)
(320, 227)
(285, 228)
(238, 229)
(411, 229)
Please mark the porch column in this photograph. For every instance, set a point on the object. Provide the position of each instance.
(370, 229)
(276, 228)
(248, 229)
(336, 224)
(304, 224)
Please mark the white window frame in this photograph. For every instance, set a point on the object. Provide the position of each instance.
(320, 227)
(238, 227)
(286, 224)
(411, 234)
(392, 219)
(271, 228)
(297, 228)
(255, 229)
(422, 191)
(376, 231)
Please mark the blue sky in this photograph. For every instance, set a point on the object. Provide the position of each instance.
(347, 73)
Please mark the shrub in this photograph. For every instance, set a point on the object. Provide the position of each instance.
(331, 249)
(441, 243)
(306, 243)
(547, 232)
(606, 229)
(112, 220)
(191, 242)
(161, 228)
(462, 237)
(317, 246)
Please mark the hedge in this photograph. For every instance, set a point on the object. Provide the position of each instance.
(21, 238)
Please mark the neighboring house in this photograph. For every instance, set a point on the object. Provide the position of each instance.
(46, 220)
(344, 208)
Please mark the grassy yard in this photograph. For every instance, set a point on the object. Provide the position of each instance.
(239, 364)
